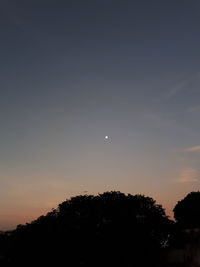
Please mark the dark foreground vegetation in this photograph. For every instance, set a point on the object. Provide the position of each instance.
(110, 229)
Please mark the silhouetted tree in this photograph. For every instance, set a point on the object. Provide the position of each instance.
(187, 211)
(110, 229)
(184, 239)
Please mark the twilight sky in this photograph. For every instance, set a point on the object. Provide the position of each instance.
(73, 72)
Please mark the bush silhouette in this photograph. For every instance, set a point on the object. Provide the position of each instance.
(110, 229)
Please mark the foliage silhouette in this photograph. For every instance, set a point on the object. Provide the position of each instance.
(184, 240)
(187, 211)
(110, 229)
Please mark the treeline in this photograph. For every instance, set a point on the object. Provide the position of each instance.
(110, 229)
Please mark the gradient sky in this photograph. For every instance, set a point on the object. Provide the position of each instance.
(75, 71)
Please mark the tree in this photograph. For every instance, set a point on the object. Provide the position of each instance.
(110, 229)
(187, 211)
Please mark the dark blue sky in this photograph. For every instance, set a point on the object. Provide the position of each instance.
(73, 72)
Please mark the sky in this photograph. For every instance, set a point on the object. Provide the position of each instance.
(73, 72)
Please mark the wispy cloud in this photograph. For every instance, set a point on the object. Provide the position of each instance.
(177, 88)
(195, 108)
(193, 149)
(181, 85)
(188, 175)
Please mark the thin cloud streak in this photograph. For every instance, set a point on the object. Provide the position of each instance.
(177, 88)
(188, 175)
(193, 109)
(193, 149)
(180, 86)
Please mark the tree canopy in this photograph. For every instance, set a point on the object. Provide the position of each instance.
(187, 211)
(110, 229)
